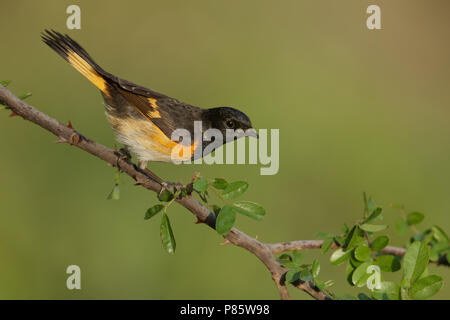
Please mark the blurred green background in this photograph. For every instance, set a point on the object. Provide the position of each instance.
(358, 110)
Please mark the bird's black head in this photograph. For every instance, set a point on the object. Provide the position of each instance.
(224, 118)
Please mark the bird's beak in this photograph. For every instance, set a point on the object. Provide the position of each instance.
(251, 133)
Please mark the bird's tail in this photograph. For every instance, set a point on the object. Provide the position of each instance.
(78, 58)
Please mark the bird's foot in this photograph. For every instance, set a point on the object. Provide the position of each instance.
(124, 154)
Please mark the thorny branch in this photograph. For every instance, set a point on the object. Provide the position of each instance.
(263, 251)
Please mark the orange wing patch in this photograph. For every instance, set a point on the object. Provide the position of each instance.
(148, 107)
(153, 113)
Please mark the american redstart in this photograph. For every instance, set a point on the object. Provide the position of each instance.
(143, 119)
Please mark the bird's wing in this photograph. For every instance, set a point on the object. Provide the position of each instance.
(166, 112)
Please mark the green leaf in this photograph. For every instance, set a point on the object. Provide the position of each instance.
(234, 190)
(373, 227)
(165, 196)
(363, 253)
(439, 234)
(363, 296)
(167, 238)
(388, 291)
(353, 261)
(25, 95)
(437, 249)
(292, 275)
(415, 261)
(401, 226)
(220, 184)
(428, 235)
(250, 209)
(360, 275)
(201, 185)
(425, 287)
(290, 265)
(184, 192)
(349, 272)
(354, 238)
(388, 263)
(225, 220)
(366, 205)
(339, 256)
(340, 240)
(5, 83)
(315, 269)
(327, 243)
(305, 275)
(371, 205)
(297, 257)
(320, 284)
(380, 243)
(414, 218)
(151, 212)
(284, 258)
(418, 237)
(374, 215)
(115, 193)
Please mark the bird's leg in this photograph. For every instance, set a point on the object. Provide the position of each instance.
(125, 153)
(142, 165)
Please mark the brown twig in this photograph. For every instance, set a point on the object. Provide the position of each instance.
(67, 134)
(263, 251)
(317, 244)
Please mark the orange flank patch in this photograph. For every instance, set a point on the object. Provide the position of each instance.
(86, 70)
(148, 142)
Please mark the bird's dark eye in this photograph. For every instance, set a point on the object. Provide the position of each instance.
(230, 124)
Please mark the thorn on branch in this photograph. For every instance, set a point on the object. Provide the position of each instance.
(139, 181)
(226, 242)
(61, 140)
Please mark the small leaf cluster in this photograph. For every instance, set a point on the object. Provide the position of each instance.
(23, 96)
(416, 283)
(166, 197)
(227, 193)
(435, 236)
(298, 271)
(360, 247)
(115, 192)
(225, 215)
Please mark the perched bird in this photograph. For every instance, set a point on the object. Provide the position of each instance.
(143, 119)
